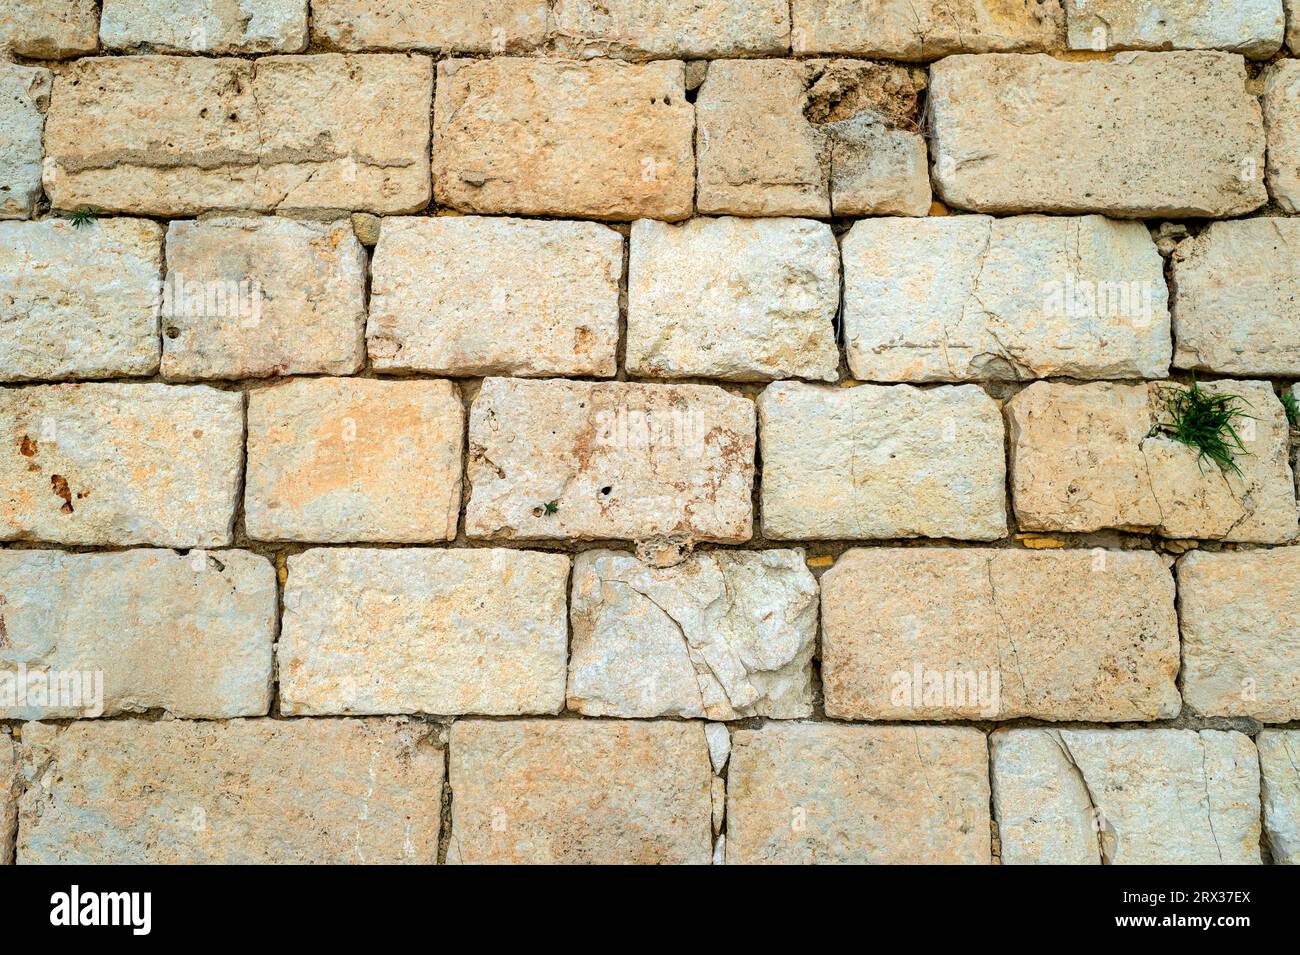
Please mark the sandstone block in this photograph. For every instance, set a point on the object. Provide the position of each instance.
(351, 459)
(609, 460)
(1126, 797)
(1279, 755)
(601, 139)
(1282, 120)
(576, 791)
(205, 26)
(1019, 133)
(676, 28)
(1292, 24)
(740, 299)
(460, 26)
(49, 29)
(1251, 27)
(478, 295)
(973, 633)
(241, 792)
(138, 630)
(287, 133)
(79, 303)
(8, 798)
(113, 464)
(881, 461)
(24, 99)
(801, 793)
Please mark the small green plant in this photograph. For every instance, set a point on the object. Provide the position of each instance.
(550, 507)
(83, 217)
(1204, 421)
(1292, 408)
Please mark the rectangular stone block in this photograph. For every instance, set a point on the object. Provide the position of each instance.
(739, 299)
(1279, 755)
(1126, 797)
(880, 462)
(242, 792)
(810, 138)
(979, 634)
(601, 139)
(286, 133)
(1251, 27)
(87, 635)
(1240, 615)
(338, 460)
(204, 26)
(418, 630)
(1234, 312)
(921, 30)
(609, 460)
(79, 303)
(1019, 133)
(684, 29)
(260, 297)
(49, 29)
(8, 798)
(724, 635)
(479, 295)
(596, 792)
(800, 793)
(24, 99)
(116, 464)
(1282, 120)
(458, 26)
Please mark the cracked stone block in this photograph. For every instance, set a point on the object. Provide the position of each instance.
(881, 461)
(1240, 615)
(1126, 797)
(49, 29)
(1279, 757)
(79, 303)
(1236, 287)
(138, 630)
(24, 100)
(923, 30)
(237, 792)
(602, 139)
(609, 461)
(116, 464)
(974, 633)
(261, 297)
(800, 793)
(1251, 27)
(574, 791)
(970, 297)
(701, 29)
(314, 133)
(1092, 456)
(340, 460)
(738, 299)
(810, 138)
(1019, 133)
(204, 26)
(1282, 120)
(725, 635)
(418, 630)
(479, 295)
(457, 26)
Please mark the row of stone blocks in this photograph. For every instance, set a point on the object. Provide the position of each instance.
(597, 791)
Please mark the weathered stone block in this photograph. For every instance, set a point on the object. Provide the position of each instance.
(8, 798)
(1282, 119)
(1279, 755)
(1292, 24)
(1251, 27)
(204, 26)
(49, 29)
(703, 29)
(461, 26)
(24, 99)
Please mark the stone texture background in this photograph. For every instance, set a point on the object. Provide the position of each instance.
(624, 432)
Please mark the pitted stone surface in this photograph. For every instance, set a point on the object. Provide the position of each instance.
(705, 29)
(1252, 27)
(461, 26)
(49, 29)
(1279, 757)
(1282, 119)
(8, 797)
(204, 26)
(24, 100)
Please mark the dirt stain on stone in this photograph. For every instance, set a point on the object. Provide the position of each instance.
(59, 484)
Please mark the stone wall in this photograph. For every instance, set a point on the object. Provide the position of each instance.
(705, 431)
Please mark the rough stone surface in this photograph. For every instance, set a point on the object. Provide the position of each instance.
(288, 133)
(719, 738)
(887, 461)
(563, 791)
(237, 792)
(815, 793)
(8, 798)
(1279, 755)
(79, 303)
(739, 299)
(460, 26)
(49, 29)
(1251, 27)
(969, 297)
(1240, 615)
(477, 295)
(191, 634)
(919, 30)
(810, 138)
(675, 28)
(24, 99)
(1020, 133)
(973, 633)
(1292, 24)
(602, 139)
(1237, 286)
(205, 26)
(725, 635)
(574, 459)
(1126, 797)
(254, 298)
(1282, 119)
(424, 631)
(350, 459)
(120, 464)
